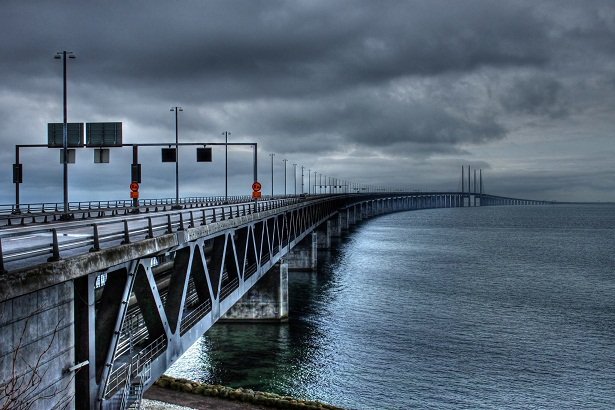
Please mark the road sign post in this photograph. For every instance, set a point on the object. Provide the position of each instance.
(134, 191)
(256, 190)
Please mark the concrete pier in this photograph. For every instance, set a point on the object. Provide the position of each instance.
(37, 349)
(266, 301)
(324, 235)
(304, 256)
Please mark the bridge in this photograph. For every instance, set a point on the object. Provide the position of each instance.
(95, 308)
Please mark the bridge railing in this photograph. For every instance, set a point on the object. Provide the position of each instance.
(51, 243)
(76, 206)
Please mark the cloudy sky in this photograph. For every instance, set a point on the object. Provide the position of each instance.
(397, 93)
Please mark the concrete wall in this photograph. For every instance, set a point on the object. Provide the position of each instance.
(37, 343)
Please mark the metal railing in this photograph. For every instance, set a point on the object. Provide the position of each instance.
(50, 207)
(137, 364)
(76, 237)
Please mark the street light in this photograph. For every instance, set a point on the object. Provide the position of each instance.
(309, 180)
(63, 55)
(314, 190)
(177, 205)
(226, 134)
(272, 155)
(302, 178)
(295, 172)
(284, 161)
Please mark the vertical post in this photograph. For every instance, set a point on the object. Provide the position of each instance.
(469, 187)
(302, 178)
(284, 161)
(462, 185)
(314, 190)
(17, 211)
(65, 139)
(135, 163)
(255, 172)
(309, 181)
(226, 134)
(475, 187)
(295, 172)
(176, 159)
(84, 290)
(64, 55)
(481, 181)
(176, 109)
(272, 155)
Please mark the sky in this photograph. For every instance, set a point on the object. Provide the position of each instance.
(382, 93)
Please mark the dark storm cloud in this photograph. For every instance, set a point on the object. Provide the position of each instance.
(230, 50)
(535, 95)
(321, 82)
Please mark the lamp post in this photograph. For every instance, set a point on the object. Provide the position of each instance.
(302, 178)
(177, 110)
(295, 172)
(63, 55)
(272, 155)
(284, 161)
(309, 181)
(226, 134)
(314, 188)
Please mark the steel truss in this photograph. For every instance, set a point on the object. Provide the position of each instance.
(134, 320)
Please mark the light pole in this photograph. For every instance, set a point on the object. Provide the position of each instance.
(226, 134)
(314, 189)
(177, 110)
(309, 181)
(302, 178)
(63, 55)
(295, 172)
(284, 161)
(272, 155)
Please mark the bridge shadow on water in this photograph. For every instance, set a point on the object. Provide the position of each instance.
(273, 357)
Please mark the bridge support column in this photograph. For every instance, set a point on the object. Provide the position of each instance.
(85, 345)
(38, 336)
(267, 301)
(344, 220)
(303, 257)
(336, 226)
(324, 235)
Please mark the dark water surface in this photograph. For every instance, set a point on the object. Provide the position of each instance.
(499, 307)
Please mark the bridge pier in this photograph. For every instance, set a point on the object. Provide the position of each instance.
(38, 344)
(266, 301)
(344, 220)
(336, 225)
(324, 235)
(303, 257)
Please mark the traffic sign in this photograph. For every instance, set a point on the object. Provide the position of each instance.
(256, 195)
(256, 186)
(134, 186)
(134, 194)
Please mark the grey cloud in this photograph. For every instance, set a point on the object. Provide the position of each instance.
(535, 95)
(320, 82)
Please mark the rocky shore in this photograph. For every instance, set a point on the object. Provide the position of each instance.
(247, 396)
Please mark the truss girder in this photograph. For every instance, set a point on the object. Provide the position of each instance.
(180, 292)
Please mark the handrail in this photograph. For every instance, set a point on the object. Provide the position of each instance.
(65, 238)
(70, 238)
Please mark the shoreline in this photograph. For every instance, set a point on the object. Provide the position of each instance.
(196, 395)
